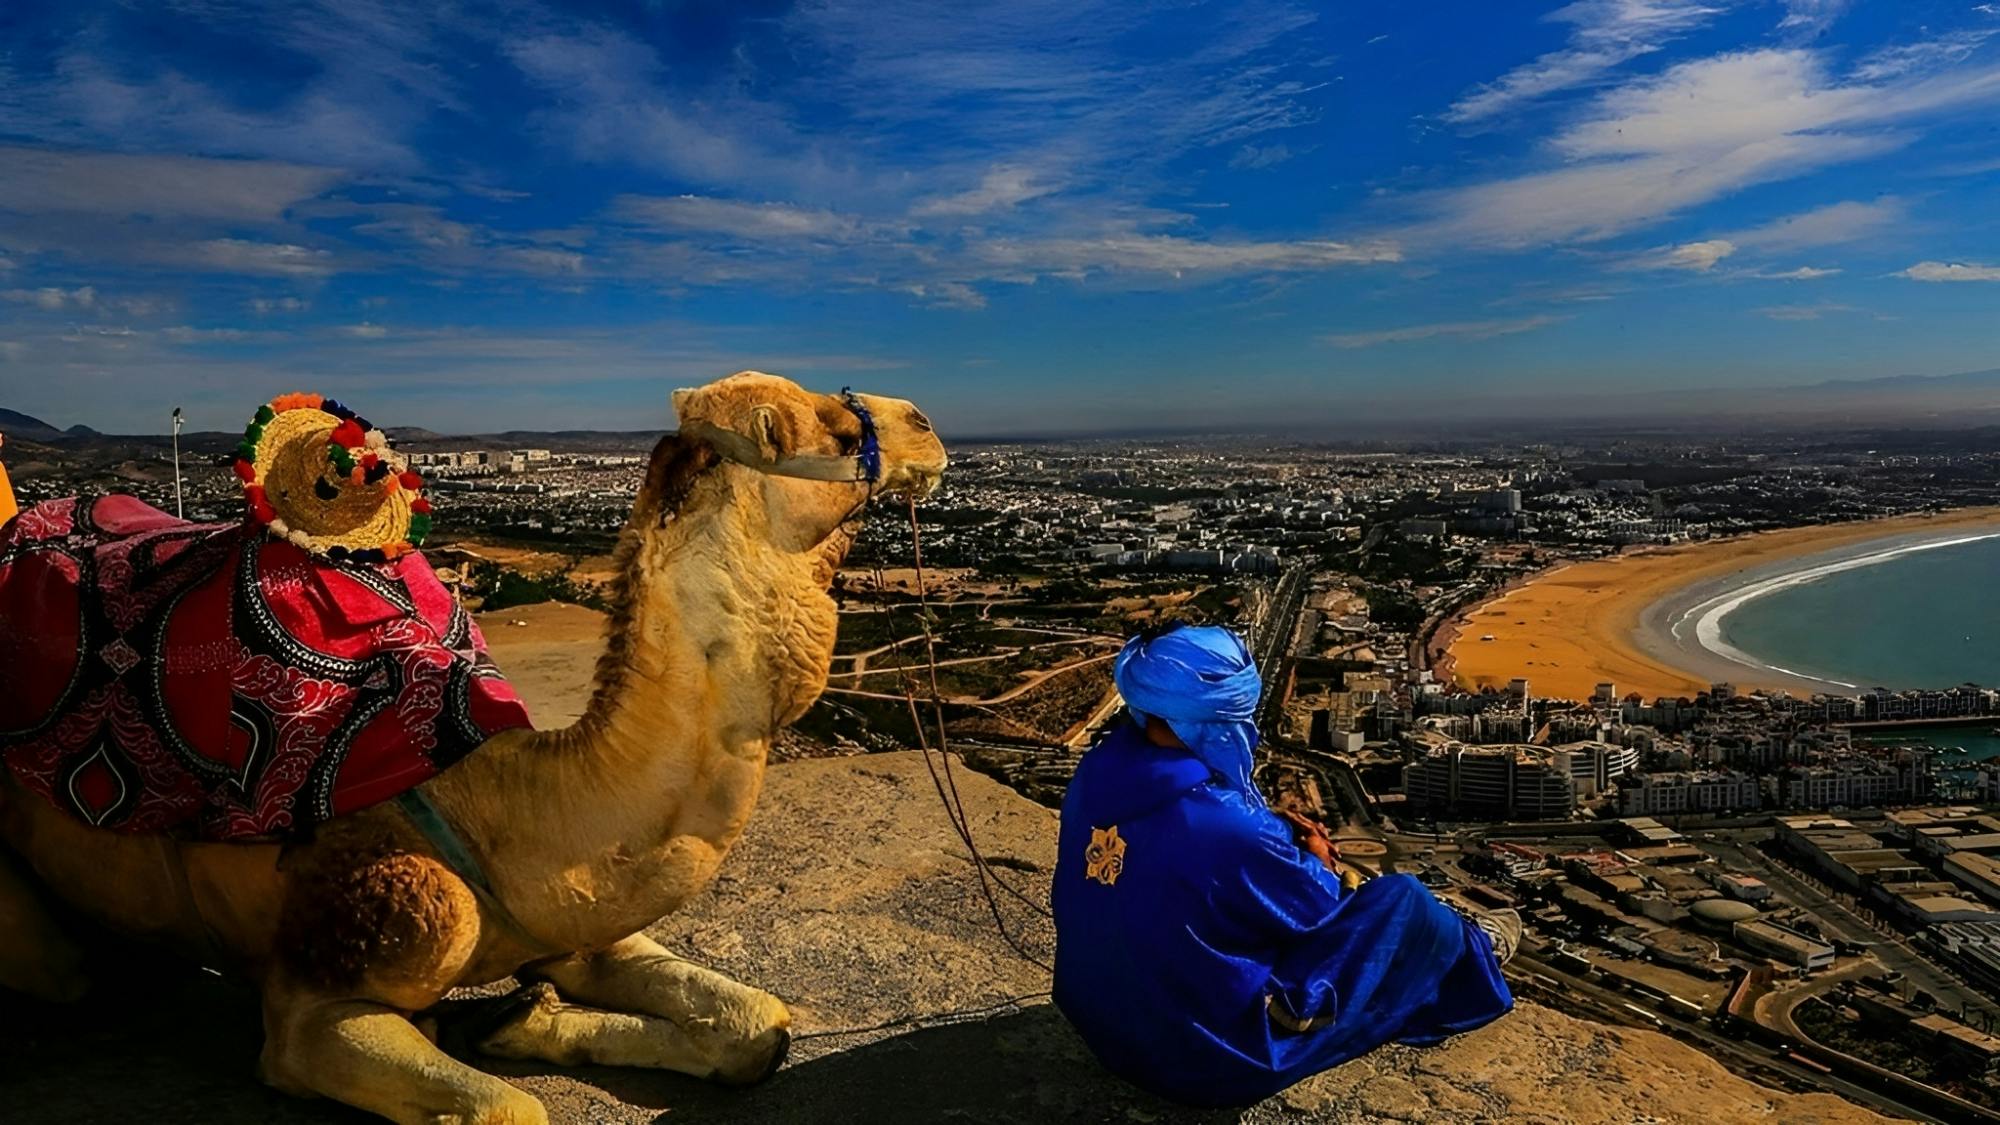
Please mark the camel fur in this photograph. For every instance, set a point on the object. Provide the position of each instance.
(722, 632)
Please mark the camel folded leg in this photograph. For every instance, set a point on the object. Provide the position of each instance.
(705, 1024)
(35, 956)
(373, 1058)
(546, 1028)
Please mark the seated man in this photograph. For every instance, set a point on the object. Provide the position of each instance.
(1199, 952)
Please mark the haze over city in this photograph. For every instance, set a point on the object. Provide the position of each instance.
(1042, 218)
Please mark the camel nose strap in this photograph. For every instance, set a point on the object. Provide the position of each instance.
(864, 467)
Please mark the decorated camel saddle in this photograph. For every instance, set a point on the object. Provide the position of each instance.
(241, 681)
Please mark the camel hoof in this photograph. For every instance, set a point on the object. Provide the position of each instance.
(779, 1051)
(490, 1031)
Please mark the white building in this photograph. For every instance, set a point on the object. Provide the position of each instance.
(1657, 793)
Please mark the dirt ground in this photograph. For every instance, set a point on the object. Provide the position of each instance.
(547, 652)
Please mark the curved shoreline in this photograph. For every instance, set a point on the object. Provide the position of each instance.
(1626, 619)
(1687, 628)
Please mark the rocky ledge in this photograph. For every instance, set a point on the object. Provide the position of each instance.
(852, 897)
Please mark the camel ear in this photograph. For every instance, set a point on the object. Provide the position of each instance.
(768, 429)
(682, 399)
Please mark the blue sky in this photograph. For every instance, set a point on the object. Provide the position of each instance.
(1030, 216)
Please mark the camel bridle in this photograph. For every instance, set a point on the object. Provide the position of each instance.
(863, 466)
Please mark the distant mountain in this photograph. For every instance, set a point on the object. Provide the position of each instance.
(412, 435)
(16, 424)
(561, 441)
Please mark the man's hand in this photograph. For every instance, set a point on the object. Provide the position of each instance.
(1312, 838)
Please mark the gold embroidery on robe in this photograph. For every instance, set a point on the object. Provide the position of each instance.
(1105, 860)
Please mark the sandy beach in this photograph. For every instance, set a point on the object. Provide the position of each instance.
(1627, 619)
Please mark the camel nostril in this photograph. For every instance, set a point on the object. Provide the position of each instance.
(918, 419)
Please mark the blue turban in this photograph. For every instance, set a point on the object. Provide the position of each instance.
(1202, 682)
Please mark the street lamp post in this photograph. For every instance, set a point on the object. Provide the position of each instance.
(180, 508)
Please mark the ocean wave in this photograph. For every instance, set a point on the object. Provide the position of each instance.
(1708, 616)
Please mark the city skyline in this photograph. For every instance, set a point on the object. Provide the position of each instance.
(1032, 219)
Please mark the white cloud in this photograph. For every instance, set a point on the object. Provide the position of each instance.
(266, 306)
(1262, 156)
(6, 263)
(1810, 17)
(363, 77)
(237, 255)
(184, 334)
(1000, 189)
(1803, 273)
(37, 181)
(1831, 225)
(363, 331)
(52, 298)
(1950, 271)
(612, 105)
(1700, 131)
(1605, 35)
(1176, 256)
(1802, 312)
(1463, 329)
(1699, 257)
(949, 294)
(1927, 55)
(731, 217)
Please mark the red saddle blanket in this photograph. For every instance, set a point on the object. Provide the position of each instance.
(205, 680)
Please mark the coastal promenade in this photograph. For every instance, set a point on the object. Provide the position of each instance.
(1615, 620)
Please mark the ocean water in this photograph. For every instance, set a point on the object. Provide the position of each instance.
(1920, 619)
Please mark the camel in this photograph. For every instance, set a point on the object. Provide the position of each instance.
(722, 632)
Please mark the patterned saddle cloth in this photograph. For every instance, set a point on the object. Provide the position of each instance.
(207, 681)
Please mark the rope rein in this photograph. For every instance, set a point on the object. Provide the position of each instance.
(943, 779)
(945, 782)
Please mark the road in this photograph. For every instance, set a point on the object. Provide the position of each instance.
(1842, 922)
(1739, 1055)
(1271, 643)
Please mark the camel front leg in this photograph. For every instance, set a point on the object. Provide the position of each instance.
(373, 1058)
(705, 1023)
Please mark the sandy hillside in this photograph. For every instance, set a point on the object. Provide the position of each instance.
(547, 652)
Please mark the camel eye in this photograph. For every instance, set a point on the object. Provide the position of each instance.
(922, 423)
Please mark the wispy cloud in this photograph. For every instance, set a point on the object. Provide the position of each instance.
(1701, 130)
(734, 218)
(1811, 17)
(1831, 225)
(43, 182)
(1461, 329)
(1803, 312)
(1604, 35)
(368, 77)
(999, 189)
(1699, 257)
(1802, 273)
(52, 298)
(1925, 55)
(1950, 271)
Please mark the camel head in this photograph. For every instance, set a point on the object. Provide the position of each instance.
(811, 449)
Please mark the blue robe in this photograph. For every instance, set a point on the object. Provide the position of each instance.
(1176, 932)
